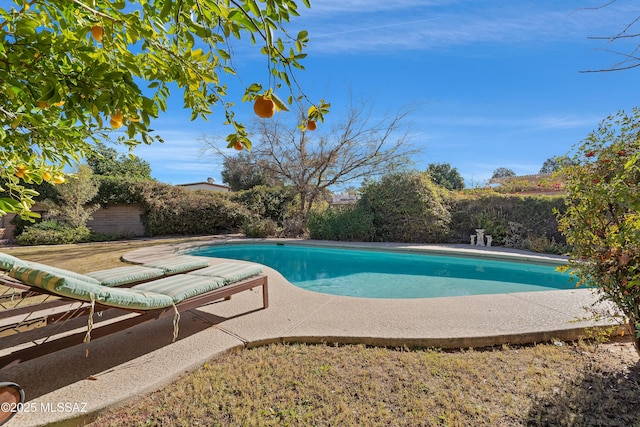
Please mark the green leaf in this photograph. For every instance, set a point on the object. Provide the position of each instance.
(166, 8)
(9, 205)
(253, 7)
(279, 104)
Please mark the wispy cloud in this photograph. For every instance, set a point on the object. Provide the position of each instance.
(179, 160)
(536, 122)
(370, 26)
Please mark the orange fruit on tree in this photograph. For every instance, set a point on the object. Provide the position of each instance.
(311, 125)
(116, 120)
(43, 105)
(97, 32)
(264, 107)
(238, 146)
(20, 170)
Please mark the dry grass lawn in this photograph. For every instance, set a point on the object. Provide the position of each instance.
(573, 384)
(301, 385)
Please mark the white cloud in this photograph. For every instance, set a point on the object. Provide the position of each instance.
(536, 122)
(370, 26)
(180, 158)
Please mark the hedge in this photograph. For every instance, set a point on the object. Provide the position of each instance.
(532, 216)
(175, 210)
(408, 207)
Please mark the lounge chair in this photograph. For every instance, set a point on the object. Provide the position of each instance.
(119, 276)
(166, 296)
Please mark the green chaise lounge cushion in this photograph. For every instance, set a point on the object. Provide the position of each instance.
(61, 272)
(8, 261)
(178, 264)
(230, 271)
(181, 286)
(110, 277)
(127, 274)
(77, 289)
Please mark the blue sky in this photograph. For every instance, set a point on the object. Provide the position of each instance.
(496, 83)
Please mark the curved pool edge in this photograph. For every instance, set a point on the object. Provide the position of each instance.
(487, 252)
(393, 270)
(294, 316)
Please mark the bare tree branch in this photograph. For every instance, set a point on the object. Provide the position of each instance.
(631, 57)
(312, 163)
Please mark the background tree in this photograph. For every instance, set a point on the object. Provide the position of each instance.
(602, 220)
(71, 205)
(73, 72)
(105, 161)
(311, 163)
(555, 164)
(242, 172)
(503, 173)
(446, 176)
(406, 207)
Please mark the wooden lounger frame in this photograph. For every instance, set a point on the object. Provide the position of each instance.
(224, 292)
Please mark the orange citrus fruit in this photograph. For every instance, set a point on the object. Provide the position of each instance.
(43, 105)
(116, 119)
(97, 32)
(311, 125)
(238, 146)
(264, 107)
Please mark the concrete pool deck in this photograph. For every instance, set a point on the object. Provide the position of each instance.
(68, 388)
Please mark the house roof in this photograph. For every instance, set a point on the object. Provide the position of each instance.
(529, 184)
(205, 184)
(529, 178)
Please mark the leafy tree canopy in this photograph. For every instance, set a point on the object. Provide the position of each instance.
(76, 72)
(555, 164)
(503, 173)
(73, 197)
(243, 172)
(105, 161)
(446, 176)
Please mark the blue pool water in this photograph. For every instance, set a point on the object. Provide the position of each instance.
(392, 274)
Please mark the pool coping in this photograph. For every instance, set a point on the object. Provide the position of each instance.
(143, 359)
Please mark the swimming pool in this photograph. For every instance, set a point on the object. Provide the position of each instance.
(393, 274)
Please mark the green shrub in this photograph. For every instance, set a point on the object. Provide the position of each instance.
(407, 207)
(345, 223)
(119, 191)
(52, 232)
(171, 210)
(273, 203)
(494, 212)
(544, 245)
(260, 228)
(516, 235)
